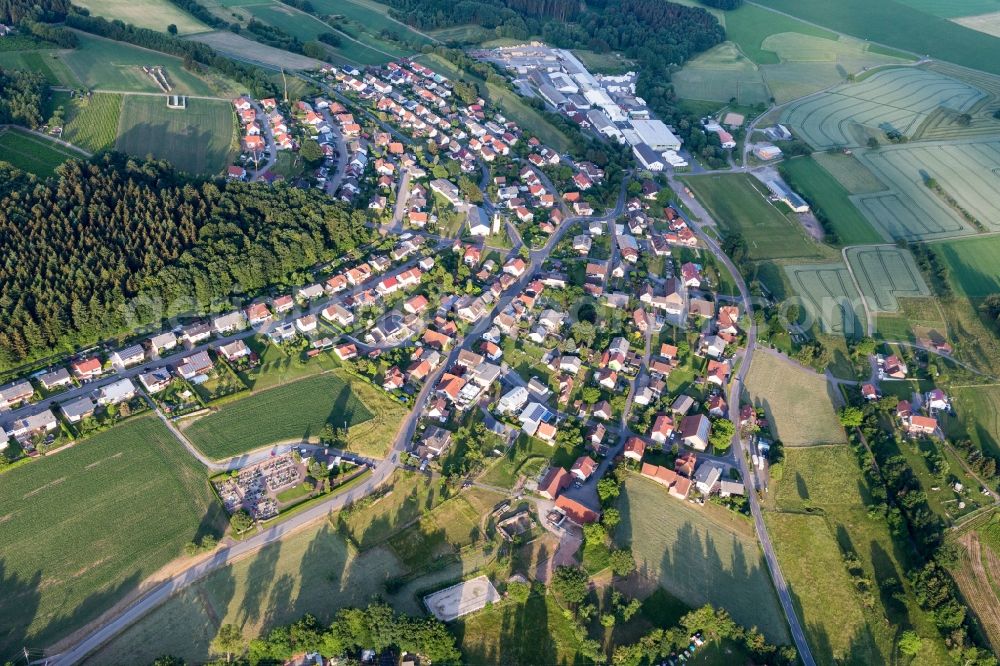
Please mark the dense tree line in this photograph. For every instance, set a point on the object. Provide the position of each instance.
(274, 36)
(61, 37)
(15, 11)
(376, 627)
(489, 14)
(200, 12)
(21, 97)
(723, 4)
(116, 244)
(254, 78)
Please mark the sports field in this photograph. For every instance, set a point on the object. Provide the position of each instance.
(79, 528)
(825, 193)
(300, 410)
(796, 400)
(898, 98)
(967, 172)
(974, 269)
(231, 44)
(885, 273)
(33, 153)
(152, 14)
(103, 64)
(738, 204)
(201, 138)
(896, 25)
(720, 74)
(92, 122)
(699, 556)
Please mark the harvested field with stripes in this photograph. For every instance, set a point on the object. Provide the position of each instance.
(829, 297)
(967, 172)
(894, 99)
(884, 274)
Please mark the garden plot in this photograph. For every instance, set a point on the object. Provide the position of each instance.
(897, 99)
(884, 274)
(967, 172)
(829, 297)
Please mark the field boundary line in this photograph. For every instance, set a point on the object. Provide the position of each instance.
(398, 22)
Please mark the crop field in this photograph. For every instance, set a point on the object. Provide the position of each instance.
(32, 153)
(103, 64)
(199, 139)
(735, 201)
(829, 297)
(314, 571)
(896, 25)
(720, 74)
(48, 63)
(976, 574)
(750, 25)
(699, 557)
(827, 194)
(298, 410)
(152, 14)
(231, 44)
(954, 8)
(77, 528)
(849, 172)
(92, 122)
(796, 400)
(965, 171)
(468, 33)
(985, 23)
(884, 274)
(898, 98)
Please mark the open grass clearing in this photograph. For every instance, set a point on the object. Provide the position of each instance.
(199, 139)
(610, 62)
(828, 297)
(314, 571)
(699, 555)
(440, 533)
(825, 193)
(896, 25)
(103, 64)
(47, 62)
(954, 8)
(372, 18)
(720, 74)
(965, 171)
(78, 526)
(738, 204)
(818, 476)
(797, 401)
(92, 121)
(231, 44)
(821, 590)
(972, 265)
(411, 495)
(32, 153)
(152, 14)
(300, 410)
(527, 457)
(461, 34)
(886, 273)
(978, 409)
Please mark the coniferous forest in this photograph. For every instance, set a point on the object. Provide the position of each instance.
(111, 245)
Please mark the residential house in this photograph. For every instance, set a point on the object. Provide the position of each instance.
(583, 468)
(513, 400)
(78, 409)
(555, 480)
(663, 427)
(283, 304)
(435, 440)
(236, 349)
(116, 392)
(635, 448)
(199, 363)
(56, 379)
(128, 356)
(923, 425)
(338, 314)
(197, 332)
(162, 342)
(228, 323)
(580, 514)
(87, 368)
(695, 430)
(257, 314)
(346, 351)
(25, 427)
(15, 393)
(707, 477)
(306, 323)
(155, 380)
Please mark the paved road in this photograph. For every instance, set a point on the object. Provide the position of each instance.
(269, 146)
(735, 392)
